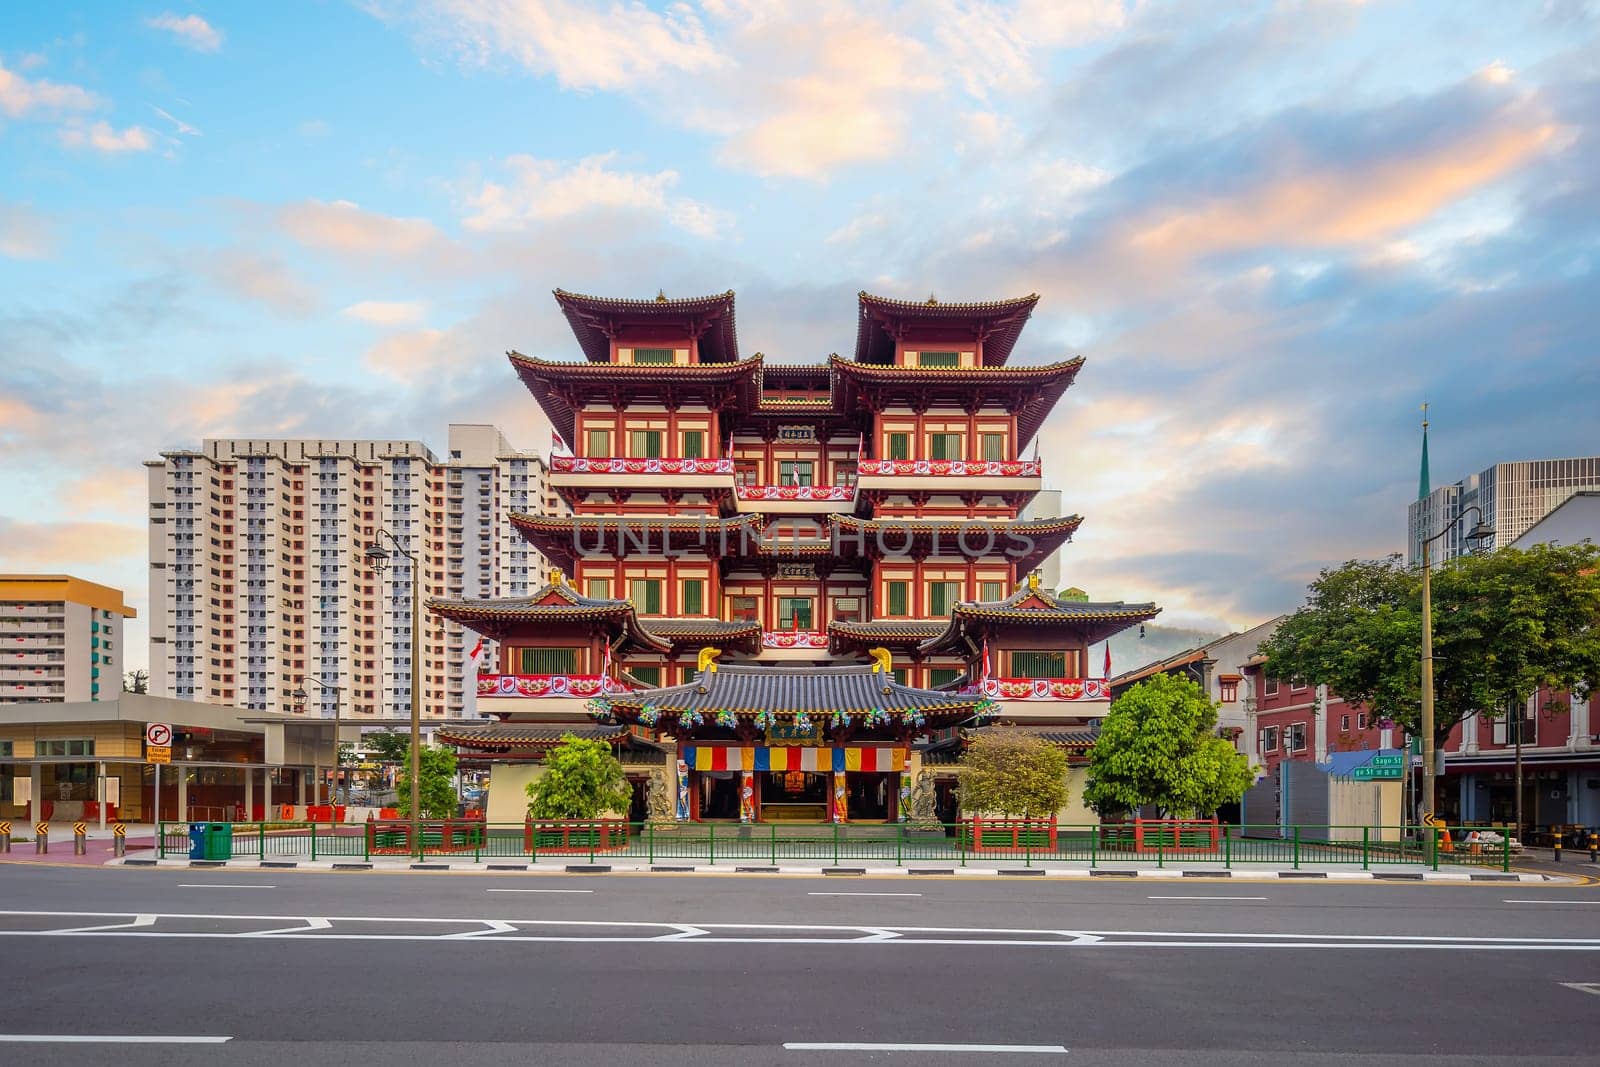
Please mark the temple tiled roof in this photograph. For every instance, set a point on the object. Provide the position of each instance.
(733, 636)
(892, 632)
(1031, 390)
(527, 734)
(560, 386)
(1029, 605)
(1001, 320)
(594, 319)
(749, 690)
(555, 604)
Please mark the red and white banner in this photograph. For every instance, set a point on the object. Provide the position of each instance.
(548, 685)
(985, 468)
(1042, 688)
(794, 639)
(796, 492)
(582, 465)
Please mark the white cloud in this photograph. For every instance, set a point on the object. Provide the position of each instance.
(25, 234)
(582, 46)
(103, 137)
(192, 31)
(542, 190)
(264, 279)
(388, 312)
(183, 128)
(20, 97)
(346, 227)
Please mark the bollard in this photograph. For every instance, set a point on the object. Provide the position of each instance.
(5, 836)
(80, 839)
(1555, 847)
(119, 838)
(41, 838)
(1594, 848)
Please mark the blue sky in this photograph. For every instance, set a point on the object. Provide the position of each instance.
(1274, 229)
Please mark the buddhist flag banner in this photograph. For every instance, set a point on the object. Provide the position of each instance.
(794, 758)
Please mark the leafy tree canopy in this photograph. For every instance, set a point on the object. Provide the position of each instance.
(1008, 772)
(1505, 623)
(437, 793)
(388, 746)
(582, 780)
(1157, 746)
(136, 682)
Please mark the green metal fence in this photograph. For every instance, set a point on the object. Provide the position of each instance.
(1229, 847)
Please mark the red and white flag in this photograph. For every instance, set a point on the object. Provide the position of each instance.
(984, 677)
(605, 664)
(477, 650)
(557, 444)
(1107, 673)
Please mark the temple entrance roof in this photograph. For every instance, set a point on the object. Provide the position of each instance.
(1032, 608)
(747, 691)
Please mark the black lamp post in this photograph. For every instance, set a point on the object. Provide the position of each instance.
(378, 558)
(299, 696)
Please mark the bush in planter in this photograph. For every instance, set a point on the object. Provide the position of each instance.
(582, 780)
(1008, 772)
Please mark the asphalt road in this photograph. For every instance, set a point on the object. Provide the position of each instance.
(531, 969)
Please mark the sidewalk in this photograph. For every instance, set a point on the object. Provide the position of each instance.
(1115, 871)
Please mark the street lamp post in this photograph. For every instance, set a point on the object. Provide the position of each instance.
(338, 695)
(378, 557)
(1481, 532)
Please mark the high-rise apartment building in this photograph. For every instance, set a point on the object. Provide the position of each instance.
(1512, 496)
(60, 639)
(259, 577)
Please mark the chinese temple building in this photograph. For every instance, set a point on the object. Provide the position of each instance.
(785, 592)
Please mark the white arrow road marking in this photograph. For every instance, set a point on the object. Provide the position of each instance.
(490, 926)
(1207, 898)
(863, 894)
(1550, 902)
(309, 924)
(876, 934)
(138, 920)
(539, 891)
(685, 932)
(1592, 988)
(223, 885)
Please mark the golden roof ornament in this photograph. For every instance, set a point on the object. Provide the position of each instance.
(708, 659)
(1033, 581)
(882, 660)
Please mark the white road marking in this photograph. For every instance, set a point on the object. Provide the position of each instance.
(224, 885)
(1550, 902)
(863, 1046)
(138, 921)
(1208, 898)
(309, 925)
(863, 894)
(540, 890)
(1592, 988)
(112, 1039)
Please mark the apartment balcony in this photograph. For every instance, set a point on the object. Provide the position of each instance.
(1009, 477)
(796, 499)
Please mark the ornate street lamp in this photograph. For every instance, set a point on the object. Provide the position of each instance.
(299, 696)
(378, 558)
(1479, 534)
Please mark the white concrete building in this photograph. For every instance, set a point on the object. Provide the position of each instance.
(60, 639)
(258, 574)
(1512, 497)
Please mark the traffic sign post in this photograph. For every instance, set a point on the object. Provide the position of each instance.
(1382, 767)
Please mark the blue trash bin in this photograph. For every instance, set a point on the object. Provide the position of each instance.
(197, 840)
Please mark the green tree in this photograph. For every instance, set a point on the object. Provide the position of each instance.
(1158, 746)
(1506, 623)
(388, 746)
(438, 792)
(1009, 772)
(136, 682)
(582, 780)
